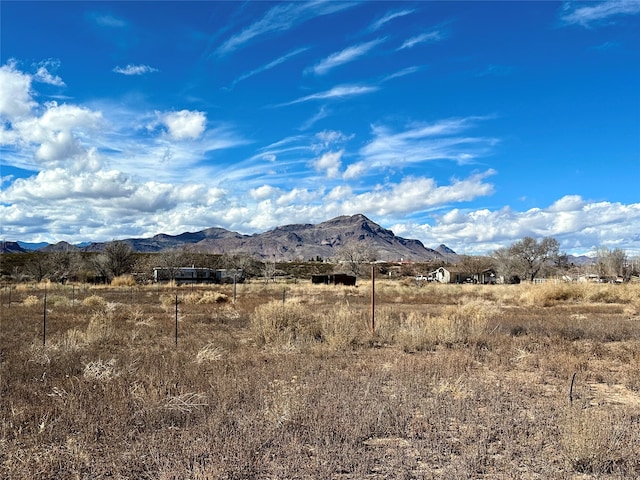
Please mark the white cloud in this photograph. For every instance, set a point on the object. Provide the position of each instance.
(329, 164)
(388, 17)
(134, 69)
(108, 20)
(355, 170)
(429, 37)
(586, 15)
(15, 92)
(417, 194)
(185, 124)
(401, 73)
(263, 192)
(281, 17)
(579, 225)
(297, 196)
(323, 112)
(56, 135)
(425, 142)
(269, 65)
(329, 138)
(347, 55)
(43, 75)
(341, 91)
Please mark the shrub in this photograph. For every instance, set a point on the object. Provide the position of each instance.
(608, 294)
(31, 301)
(205, 298)
(100, 370)
(342, 327)
(210, 353)
(58, 300)
(123, 281)
(593, 441)
(167, 300)
(100, 329)
(461, 323)
(551, 293)
(285, 324)
(95, 302)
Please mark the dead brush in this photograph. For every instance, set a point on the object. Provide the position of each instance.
(58, 300)
(183, 403)
(609, 293)
(551, 293)
(210, 353)
(281, 324)
(205, 298)
(598, 442)
(342, 327)
(95, 302)
(467, 323)
(100, 329)
(123, 281)
(71, 341)
(100, 370)
(284, 400)
(409, 330)
(31, 301)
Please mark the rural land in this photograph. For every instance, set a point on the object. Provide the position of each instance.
(216, 355)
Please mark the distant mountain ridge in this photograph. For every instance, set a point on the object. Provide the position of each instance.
(288, 242)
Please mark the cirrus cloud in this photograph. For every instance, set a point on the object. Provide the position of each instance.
(134, 69)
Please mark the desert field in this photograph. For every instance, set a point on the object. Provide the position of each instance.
(290, 382)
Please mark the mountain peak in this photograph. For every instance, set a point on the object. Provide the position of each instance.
(442, 248)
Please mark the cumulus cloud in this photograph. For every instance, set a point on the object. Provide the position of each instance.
(594, 13)
(134, 69)
(263, 192)
(185, 124)
(347, 55)
(355, 170)
(329, 164)
(580, 226)
(15, 92)
(43, 75)
(55, 135)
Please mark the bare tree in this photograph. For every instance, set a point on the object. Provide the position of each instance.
(612, 263)
(475, 265)
(64, 265)
(354, 255)
(171, 261)
(528, 256)
(116, 259)
(38, 266)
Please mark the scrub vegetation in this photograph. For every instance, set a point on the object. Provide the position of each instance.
(290, 381)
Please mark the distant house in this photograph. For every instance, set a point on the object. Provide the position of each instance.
(334, 279)
(451, 275)
(197, 275)
(455, 275)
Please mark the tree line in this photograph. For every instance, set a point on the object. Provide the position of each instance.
(524, 260)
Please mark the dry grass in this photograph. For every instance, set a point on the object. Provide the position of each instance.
(463, 381)
(123, 281)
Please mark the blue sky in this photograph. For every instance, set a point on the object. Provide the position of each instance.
(472, 124)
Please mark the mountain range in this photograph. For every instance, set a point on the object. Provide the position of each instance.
(289, 242)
